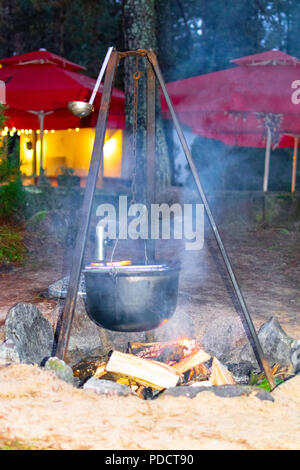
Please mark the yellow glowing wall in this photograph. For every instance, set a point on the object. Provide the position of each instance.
(73, 149)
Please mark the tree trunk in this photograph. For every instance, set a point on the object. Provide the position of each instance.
(139, 28)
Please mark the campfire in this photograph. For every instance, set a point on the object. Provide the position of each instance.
(150, 368)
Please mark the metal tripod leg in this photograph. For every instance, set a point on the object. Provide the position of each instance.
(96, 162)
(150, 163)
(258, 349)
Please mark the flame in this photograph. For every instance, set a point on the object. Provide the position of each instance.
(114, 263)
(190, 375)
(188, 345)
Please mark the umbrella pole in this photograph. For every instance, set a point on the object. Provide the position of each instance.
(34, 160)
(267, 160)
(41, 116)
(295, 155)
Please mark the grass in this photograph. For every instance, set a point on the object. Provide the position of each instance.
(14, 444)
(11, 244)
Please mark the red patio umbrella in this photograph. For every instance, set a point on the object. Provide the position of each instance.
(246, 105)
(38, 87)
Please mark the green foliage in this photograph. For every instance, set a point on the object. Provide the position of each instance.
(12, 200)
(11, 444)
(11, 244)
(9, 154)
(194, 36)
(8, 170)
(2, 117)
(33, 223)
(80, 30)
(262, 382)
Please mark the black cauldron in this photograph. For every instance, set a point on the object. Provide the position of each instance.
(133, 297)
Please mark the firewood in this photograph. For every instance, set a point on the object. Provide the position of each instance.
(171, 351)
(191, 361)
(220, 375)
(201, 369)
(137, 345)
(200, 372)
(101, 373)
(100, 370)
(143, 371)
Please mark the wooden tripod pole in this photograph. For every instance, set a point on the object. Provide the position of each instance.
(96, 162)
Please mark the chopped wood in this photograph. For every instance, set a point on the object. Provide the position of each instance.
(101, 373)
(201, 369)
(191, 361)
(143, 371)
(168, 351)
(198, 373)
(100, 370)
(220, 375)
(156, 345)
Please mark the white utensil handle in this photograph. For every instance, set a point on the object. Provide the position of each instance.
(100, 76)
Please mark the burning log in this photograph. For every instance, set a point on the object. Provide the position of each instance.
(142, 371)
(199, 373)
(148, 377)
(101, 373)
(167, 352)
(191, 361)
(220, 375)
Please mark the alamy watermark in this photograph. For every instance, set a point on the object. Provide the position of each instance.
(296, 94)
(160, 221)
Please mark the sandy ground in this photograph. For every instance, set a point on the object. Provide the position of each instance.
(39, 410)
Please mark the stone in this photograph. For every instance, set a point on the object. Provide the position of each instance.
(58, 289)
(276, 344)
(107, 387)
(224, 391)
(84, 336)
(241, 371)
(2, 333)
(295, 356)
(8, 352)
(30, 332)
(61, 369)
(223, 335)
(264, 395)
(189, 391)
